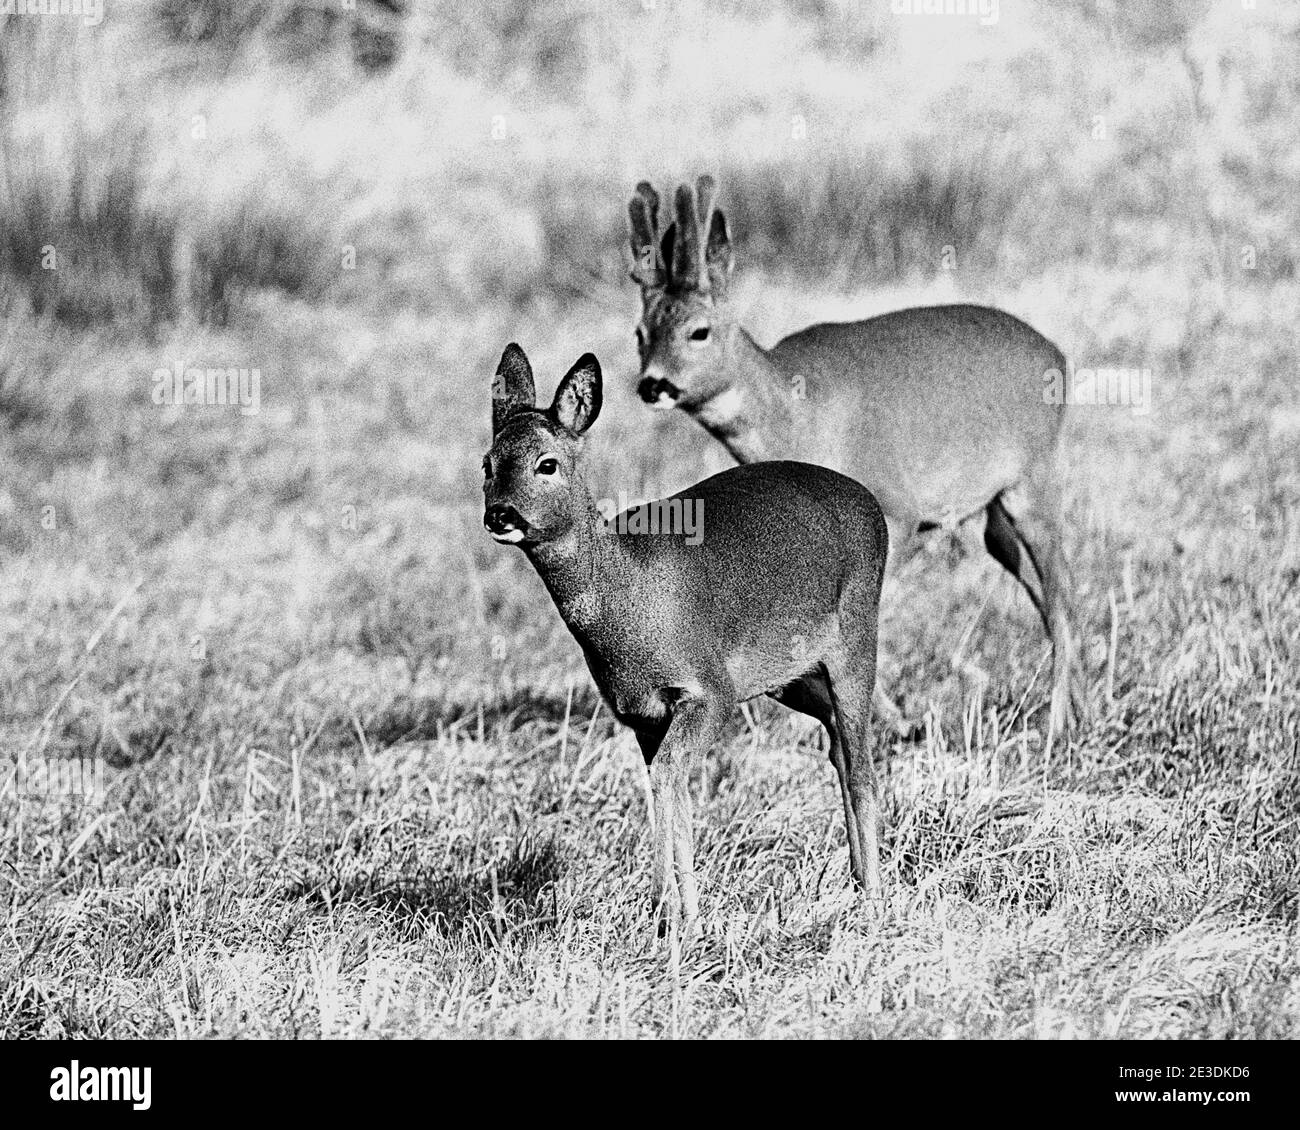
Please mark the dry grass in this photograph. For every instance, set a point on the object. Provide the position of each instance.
(357, 780)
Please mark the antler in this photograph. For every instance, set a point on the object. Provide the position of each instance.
(693, 252)
(643, 220)
(706, 189)
(702, 259)
(685, 271)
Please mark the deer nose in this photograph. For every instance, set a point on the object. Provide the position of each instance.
(653, 389)
(501, 519)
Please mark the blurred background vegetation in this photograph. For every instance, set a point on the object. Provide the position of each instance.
(183, 152)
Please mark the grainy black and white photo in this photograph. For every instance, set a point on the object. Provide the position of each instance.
(650, 519)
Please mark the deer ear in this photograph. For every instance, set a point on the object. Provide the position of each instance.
(577, 400)
(512, 387)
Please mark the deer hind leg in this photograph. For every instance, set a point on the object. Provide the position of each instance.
(1031, 512)
(811, 695)
(850, 690)
(1003, 542)
(903, 544)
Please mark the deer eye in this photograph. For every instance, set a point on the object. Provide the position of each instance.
(547, 465)
(700, 333)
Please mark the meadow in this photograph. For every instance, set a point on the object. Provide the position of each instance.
(356, 778)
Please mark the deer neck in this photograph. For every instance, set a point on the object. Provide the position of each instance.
(577, 567)
(753, 417)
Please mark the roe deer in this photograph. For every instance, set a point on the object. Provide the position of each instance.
(939, 411)
(778, 597)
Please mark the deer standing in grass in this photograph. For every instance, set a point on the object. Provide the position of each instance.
(777, 595)
(939, 411)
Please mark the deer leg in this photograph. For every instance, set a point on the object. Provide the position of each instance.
(811, 695)
(903, 544)
(683, 834)
(662, 887)
(850, 687)
(697, 720)
(1003, 542)
(1034, 515)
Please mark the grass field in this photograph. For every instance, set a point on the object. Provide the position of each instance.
(357, 781)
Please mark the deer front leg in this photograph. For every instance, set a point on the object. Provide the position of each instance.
(663, 887)
(697, 720)
(684, 852)
(659, 812)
